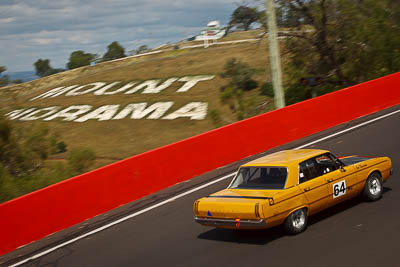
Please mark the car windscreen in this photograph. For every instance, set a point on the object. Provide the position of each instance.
(272, 178)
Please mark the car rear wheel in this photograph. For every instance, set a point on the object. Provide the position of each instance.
(373, 187)
(296, 222)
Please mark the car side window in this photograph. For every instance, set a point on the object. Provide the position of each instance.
(308, 170)
(326, 163)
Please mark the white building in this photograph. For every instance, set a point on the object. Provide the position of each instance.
(212, 32)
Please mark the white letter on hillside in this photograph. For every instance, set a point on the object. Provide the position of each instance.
(95, 87)
(105, 88)
(194, 110)
(191, 81)
(102, 91)
(139, 110)
(55, 92)
(70, 116)
(49, 111)
(151, 86)
(15, 114)
(103, 113)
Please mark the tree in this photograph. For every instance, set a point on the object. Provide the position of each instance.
(239, 74)
(42, 67)
(4, 79)
(23, 149)
(114, 51)
(243, 16)
(343, 42)
(79, 59)
(142, 49)
(240, 80)
(296, 93)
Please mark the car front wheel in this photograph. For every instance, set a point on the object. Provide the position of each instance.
(296, 222)
(373, 187)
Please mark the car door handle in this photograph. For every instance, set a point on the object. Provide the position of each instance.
(330, 180)
(362, 166)
(306, 189)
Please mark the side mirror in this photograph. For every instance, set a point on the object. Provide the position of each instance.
(340, 165)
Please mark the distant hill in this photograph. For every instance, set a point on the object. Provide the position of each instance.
(132, 105)
(26, 76)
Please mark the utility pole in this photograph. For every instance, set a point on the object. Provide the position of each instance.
(274, 55)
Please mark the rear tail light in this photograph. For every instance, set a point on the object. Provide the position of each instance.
(237, 223)
(257, 210)
(196, 207)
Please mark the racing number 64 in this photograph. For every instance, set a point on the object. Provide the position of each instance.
(339, 189)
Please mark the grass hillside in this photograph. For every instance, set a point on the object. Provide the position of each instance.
(112, 140)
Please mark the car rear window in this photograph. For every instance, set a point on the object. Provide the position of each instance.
(272, 178)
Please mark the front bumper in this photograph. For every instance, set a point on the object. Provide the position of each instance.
(231, 223)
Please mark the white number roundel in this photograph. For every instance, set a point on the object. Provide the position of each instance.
(339, 189)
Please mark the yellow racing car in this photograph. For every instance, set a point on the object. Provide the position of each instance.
(288, 186)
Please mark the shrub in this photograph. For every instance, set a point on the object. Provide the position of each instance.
(267, 89)
(239, 74)
(61, 147)
(215, 117)
(80, 160)
(226, 95)
(296, 93)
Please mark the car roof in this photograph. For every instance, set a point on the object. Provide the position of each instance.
(286, 157)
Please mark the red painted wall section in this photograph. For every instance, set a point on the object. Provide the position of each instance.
(59, 206)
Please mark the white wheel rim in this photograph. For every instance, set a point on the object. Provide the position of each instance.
(299, 219)
(374, 186)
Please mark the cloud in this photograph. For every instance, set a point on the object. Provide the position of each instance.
(7, 20)
(46, 41)
(33, 29)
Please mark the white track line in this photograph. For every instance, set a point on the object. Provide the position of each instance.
(122, 220)
(349, 129)
(182, 195)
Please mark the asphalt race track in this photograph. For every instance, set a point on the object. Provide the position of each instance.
(354, 233)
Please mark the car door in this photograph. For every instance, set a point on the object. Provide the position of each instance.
(363, 169)
(313, 185)
(341, 179)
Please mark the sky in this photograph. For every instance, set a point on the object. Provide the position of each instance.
(53, 29)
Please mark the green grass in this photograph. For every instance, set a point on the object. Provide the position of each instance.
(12, 187)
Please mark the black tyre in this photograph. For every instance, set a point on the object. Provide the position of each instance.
(373, 187)
(296, 222)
